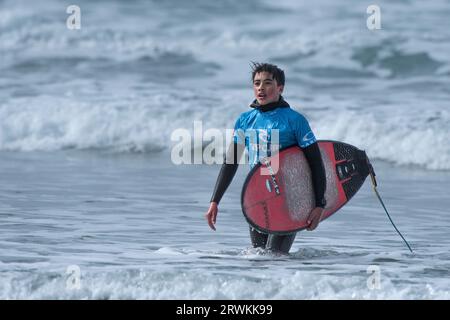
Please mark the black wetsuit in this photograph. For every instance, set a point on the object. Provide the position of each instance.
(280, 243)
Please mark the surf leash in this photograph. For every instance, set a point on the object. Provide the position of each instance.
(374, 185)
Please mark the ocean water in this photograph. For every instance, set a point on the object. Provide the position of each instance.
(92, 207)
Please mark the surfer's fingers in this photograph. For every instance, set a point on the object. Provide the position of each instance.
(211, 218)
(211, 225)
(313, 222)
(311, 227)
(214, 217)
(312, 217)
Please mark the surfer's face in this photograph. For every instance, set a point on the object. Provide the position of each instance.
(266, 88)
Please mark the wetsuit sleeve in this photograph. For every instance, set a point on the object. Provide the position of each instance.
(303, 132)
(230, 163)
(312, 154)
(227, 171)
(308, 142)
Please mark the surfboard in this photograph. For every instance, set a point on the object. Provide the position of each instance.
(278, 195)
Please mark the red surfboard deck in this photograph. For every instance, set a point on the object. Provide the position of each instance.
(279, 201)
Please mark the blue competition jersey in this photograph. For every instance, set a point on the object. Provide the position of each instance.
(256, 129)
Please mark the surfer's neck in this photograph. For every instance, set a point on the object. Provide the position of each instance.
(281, 103)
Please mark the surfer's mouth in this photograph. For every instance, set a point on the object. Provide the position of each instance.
(261, 96)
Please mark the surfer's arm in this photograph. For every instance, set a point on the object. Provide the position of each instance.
(314, 158)
(226, 174)
(227, 171)
(308, 142)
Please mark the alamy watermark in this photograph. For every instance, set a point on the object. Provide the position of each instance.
(73, 22)
(373, 22)
(374, 280)
(73, 281)
(212, 146)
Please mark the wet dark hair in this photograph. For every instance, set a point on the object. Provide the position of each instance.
(276, 72)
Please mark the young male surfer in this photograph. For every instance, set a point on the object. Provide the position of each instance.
(270, 111)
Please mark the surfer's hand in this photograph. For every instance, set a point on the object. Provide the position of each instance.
(314, 218)
(211, 215)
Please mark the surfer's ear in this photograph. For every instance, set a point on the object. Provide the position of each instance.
(281, 88)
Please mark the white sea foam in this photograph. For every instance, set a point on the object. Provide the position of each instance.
(398, 139)
(418, 138)
(52, 124)
(141, 284)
